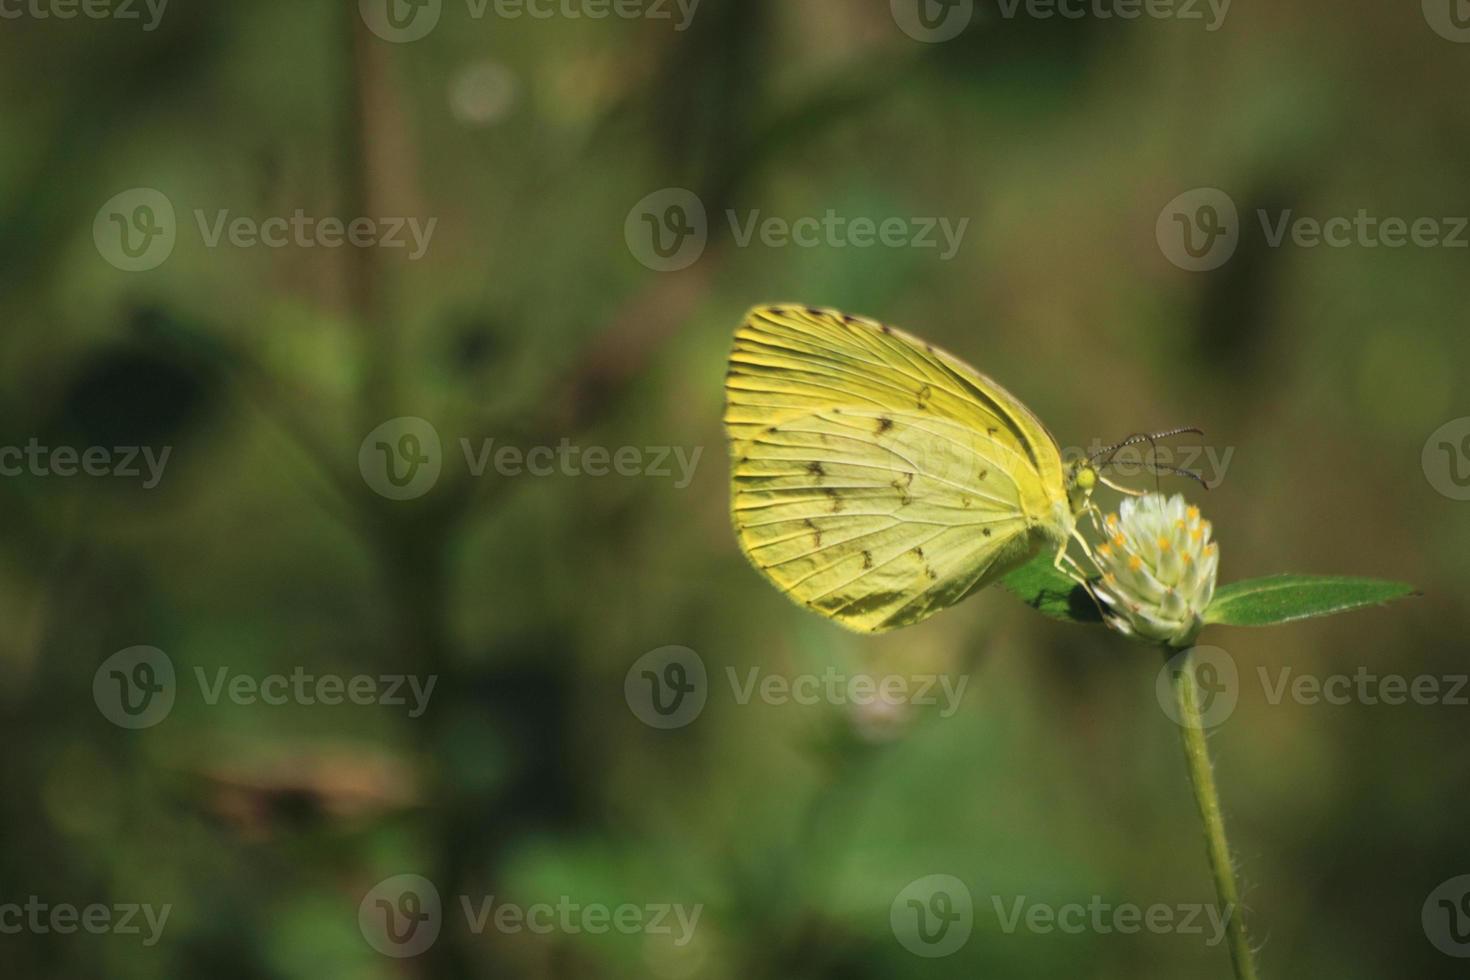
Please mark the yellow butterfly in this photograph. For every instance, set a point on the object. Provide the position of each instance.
(877, 479)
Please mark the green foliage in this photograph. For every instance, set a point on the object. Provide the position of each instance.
(1286, 598)
(1041, 586)
(1253, 602)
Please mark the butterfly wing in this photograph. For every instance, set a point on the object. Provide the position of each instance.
(875, 478)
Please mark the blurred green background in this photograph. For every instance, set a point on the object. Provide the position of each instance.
(533, 317)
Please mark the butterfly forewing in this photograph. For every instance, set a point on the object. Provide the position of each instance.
(876, 479)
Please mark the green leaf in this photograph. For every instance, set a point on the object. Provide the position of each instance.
(1049, 592)
(1284, 598)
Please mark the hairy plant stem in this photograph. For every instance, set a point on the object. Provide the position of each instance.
(1207, 798)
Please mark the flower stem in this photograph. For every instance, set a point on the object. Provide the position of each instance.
(1202, 777)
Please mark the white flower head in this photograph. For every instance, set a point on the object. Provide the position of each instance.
(1158, 569)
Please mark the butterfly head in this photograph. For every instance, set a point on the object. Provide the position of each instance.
(1081, 480)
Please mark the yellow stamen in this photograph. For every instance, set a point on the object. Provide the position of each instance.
(1134, 563)
(1118, 540)
(1163, 544)
(1193, 514)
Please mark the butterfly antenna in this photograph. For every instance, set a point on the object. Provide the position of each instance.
(1176, 471)
(1152, 439)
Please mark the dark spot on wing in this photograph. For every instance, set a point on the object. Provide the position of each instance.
(986, 532)
(919, 552)
(815, 469)
(933, 575)
(867, 559)
(813, 311)
(816, 531)
(836, 501)
(984, 474)
(925, 393)
(886, 328)
(884, 424)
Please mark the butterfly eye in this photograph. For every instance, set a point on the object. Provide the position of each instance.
(1086, 478)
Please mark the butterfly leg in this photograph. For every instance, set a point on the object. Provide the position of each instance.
(1070, 567)
(1118, 487)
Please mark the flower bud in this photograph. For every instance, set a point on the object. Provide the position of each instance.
(1158, 569)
